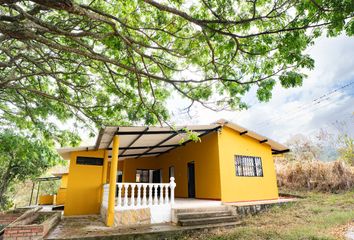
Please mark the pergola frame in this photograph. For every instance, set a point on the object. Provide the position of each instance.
(159, 144)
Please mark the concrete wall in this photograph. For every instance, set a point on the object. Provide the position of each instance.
(235, 188)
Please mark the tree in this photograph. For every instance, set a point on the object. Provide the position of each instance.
(345, 140)
(303, 149)
(21, 158)
(108, 62)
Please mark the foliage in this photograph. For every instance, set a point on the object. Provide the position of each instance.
(116, 62)
(326, 177)
(345, 141)
(303, 149)
(317, 216)
(21, 158)
(346, 150)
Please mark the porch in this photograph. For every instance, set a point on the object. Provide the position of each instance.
(139, 183)
(148, 203)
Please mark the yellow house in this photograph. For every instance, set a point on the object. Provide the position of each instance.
(143, 171)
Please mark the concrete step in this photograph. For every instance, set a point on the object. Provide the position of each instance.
(206, 221)
(201, 209)
(197, 215)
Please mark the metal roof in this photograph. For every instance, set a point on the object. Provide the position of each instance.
(135, 142)
(142, 141)
(50, 178)
(65, 151)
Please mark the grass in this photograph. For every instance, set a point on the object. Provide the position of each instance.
(317, 216)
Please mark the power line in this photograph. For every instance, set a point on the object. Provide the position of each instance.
(314, 102)
(312, 110)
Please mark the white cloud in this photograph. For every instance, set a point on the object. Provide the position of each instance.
(293, 111)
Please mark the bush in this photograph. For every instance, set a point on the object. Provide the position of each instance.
(325, 177)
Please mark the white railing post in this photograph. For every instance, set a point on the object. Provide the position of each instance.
(138, 203)
(147, 194)
(132, 197)
(166, 194)
(126, 188)
(144, 194)
(172, 186)
(155, 194)
(150, 194)
(161, 194)
(119, 185)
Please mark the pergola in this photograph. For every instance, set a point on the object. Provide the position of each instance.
(39, 180)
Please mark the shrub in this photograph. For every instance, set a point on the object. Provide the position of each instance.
(325, 177)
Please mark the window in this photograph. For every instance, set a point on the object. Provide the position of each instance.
(142, 176)
(89, 161)
(247, 166)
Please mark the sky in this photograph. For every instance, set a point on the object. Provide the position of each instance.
(326, 97)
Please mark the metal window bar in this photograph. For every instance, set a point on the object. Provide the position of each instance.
(248, 166)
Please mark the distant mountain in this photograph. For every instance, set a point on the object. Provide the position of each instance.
(328, 154)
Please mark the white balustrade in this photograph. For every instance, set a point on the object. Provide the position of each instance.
(141, 195)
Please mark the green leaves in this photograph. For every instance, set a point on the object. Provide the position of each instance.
(264, 92)
(117, 62)
(291, 79)
(22, 157)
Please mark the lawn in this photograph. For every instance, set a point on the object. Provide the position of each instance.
(317, 216)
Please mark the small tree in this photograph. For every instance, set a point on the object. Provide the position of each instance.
(345, 141)
(21, 158)
(346, 150)
(302, 149)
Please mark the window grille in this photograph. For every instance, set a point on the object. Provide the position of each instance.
(247, 166)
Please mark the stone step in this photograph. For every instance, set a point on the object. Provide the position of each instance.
(197, 215)
(206, 221)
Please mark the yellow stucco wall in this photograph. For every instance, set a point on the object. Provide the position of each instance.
(60, 197)
(206, 160)
(235, 188)
(205, 157)
(131, 165)
(46, 199)
(84, 187)
(61, 193)
(64, 180)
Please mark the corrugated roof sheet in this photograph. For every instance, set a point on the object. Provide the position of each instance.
(142, 141)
